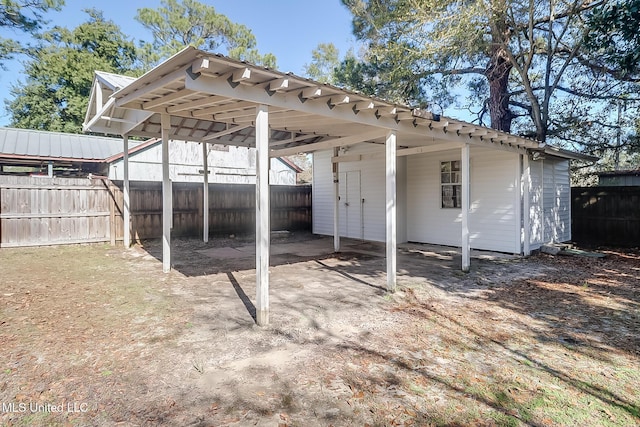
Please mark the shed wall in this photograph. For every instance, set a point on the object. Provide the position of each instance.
(365, 217)
(556, 200)
(492, 217)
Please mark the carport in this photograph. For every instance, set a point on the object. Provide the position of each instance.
(209, 98)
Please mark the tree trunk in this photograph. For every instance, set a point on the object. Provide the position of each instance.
(497, 74)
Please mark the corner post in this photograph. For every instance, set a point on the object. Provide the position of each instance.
(262, 215)
(126, 189)
(336, 203)
(466, 250)
(205, 194)
(518, 205)
(527, 204)
(167, 200)
(390, 159)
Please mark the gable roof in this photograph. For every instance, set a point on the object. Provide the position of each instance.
(208, 96)
(43, 145)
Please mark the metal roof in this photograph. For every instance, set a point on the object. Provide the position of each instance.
(27, 143)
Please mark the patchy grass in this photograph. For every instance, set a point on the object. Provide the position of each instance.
(556, 344)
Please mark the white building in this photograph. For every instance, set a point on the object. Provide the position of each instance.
(226, 164)
(382, 171)
(429, 197)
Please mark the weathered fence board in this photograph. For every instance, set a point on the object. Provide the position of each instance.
(606, 216)
(231, 209)
(42, 211)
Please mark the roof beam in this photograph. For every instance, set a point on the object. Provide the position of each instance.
(224, 132)
(428, 149)
(167, 98)
(221, 87)
(278, 85)
(290, 140)
(331, 143)
(311, 92)
(209, 100)
(225, 108)
(240, 75)
(149, 88)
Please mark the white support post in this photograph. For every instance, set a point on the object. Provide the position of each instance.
(518, 206)
(262, 215)
(167, 205)
(205, 194)
(527, 204)
(336, 204)
(390, 146)
(466, 250)
(126, 198)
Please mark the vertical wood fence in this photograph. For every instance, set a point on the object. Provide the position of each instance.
(48, 211)
(42, 211)
(606, 216)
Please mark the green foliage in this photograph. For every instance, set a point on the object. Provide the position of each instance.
(324, 60)
(176, 24)
(612, 34)
(523, 63)
(59, 74)
(22, 15)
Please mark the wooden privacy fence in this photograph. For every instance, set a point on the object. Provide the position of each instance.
(48, 211)
(606, 216)
(231, 208)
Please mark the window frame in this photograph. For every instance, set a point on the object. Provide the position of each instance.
(451, 176)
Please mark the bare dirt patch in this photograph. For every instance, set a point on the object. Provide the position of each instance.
(103, 334)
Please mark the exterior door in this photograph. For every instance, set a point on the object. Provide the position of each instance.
(351, 224)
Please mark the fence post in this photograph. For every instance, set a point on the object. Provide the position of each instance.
(112, 214)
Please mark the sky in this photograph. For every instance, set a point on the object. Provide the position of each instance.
(289, 29)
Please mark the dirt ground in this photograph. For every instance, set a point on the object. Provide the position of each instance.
(96, 335)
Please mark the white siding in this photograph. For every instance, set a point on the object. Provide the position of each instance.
(322, 193)
(556, 200)
(372, 195)
(492, 201)
(535, 205)
(550, 202)
(226, 165)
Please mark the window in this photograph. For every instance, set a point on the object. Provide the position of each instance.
(450, 181)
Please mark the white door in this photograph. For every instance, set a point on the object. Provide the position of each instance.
(350, 207)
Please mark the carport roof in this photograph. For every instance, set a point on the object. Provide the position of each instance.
(210, 97)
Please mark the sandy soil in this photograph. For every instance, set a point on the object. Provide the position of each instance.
(103, 334)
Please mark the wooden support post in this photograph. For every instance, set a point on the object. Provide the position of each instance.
(205, 194)
(126, 211)
(263, 232)
(112, 214)
(466, 250)
(336, 204)
(167, 205)
(390, 145)
(517, 189)
(527, 204)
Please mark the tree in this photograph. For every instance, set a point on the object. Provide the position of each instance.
(324, 60)
(59, 74)
(25, 16)
(176, 24)
(612, 35)
(523, 62)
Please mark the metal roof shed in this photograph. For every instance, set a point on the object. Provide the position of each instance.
(199, 96)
